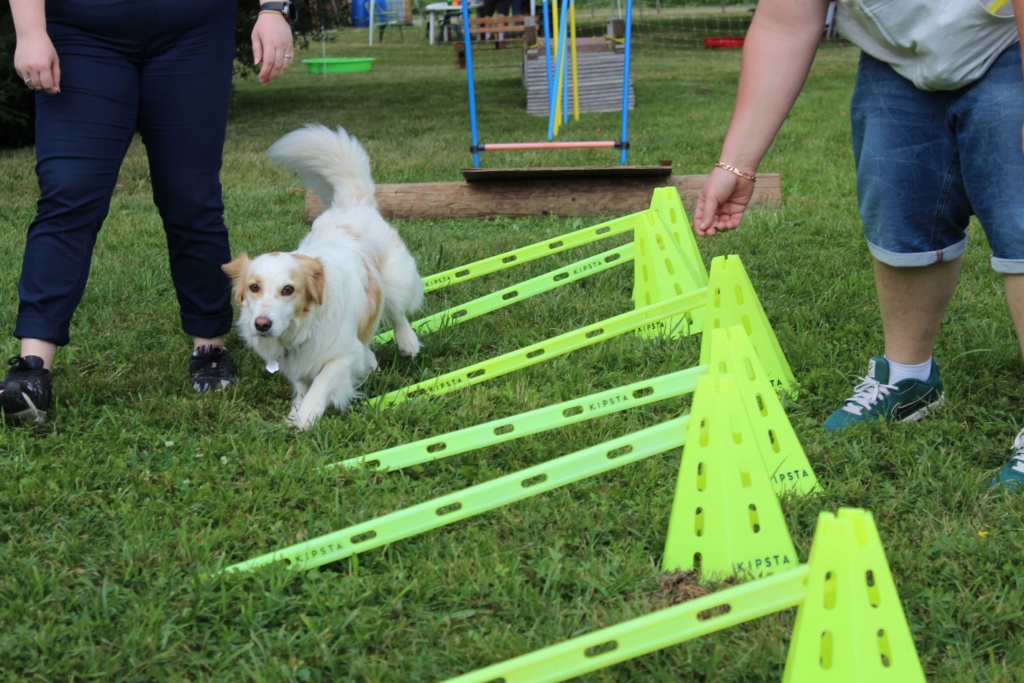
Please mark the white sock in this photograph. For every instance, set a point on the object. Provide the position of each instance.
(899, 371)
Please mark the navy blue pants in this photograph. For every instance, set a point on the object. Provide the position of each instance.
(162, 67)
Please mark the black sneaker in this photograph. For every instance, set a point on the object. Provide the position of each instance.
(212, 369)
(27, 390)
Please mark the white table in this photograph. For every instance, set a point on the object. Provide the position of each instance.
(436, 10)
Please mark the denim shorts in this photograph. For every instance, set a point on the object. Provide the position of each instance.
(926, 161)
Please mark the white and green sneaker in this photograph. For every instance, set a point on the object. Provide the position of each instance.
(1011, 475)
(875, 399)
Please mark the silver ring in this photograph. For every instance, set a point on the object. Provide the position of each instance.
(28, 80)
(288, 56)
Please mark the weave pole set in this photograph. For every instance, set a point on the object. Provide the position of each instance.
(556, 70)
(740, 454)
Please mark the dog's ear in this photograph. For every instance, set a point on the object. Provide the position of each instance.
(236, 271)
(313, 272)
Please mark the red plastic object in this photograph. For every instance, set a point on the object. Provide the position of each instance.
(729, 43)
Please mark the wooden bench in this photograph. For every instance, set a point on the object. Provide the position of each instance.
(499, 31)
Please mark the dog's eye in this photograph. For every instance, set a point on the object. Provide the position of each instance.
(287, 290)
(254, 288)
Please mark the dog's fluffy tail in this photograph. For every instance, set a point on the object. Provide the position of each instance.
(331, 163)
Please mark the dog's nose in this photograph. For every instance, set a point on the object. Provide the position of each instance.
(263, 324)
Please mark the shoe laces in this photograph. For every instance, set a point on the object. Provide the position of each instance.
(22, 369)
(1017, 459)
(866, 394)
(212, 368)
(209, 355)
(19, 364)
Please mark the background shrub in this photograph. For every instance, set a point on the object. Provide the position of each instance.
(16, 109)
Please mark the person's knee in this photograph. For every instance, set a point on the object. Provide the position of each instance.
(69, 188)
(182, 201)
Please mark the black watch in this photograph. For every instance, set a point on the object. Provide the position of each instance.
(283, 7)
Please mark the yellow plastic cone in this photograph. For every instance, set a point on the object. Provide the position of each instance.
(726, 518)
(784, 459)
(851, 627)
(667, 263)
(669, 207)
(732, 301)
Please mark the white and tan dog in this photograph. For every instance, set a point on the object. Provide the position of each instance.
(313, 312)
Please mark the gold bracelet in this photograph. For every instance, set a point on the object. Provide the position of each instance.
(732, 169)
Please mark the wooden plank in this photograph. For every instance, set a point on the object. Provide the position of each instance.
(611, 197)
(493, 24)
(564, 173)
(589, 44)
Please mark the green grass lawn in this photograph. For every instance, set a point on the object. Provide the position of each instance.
(113, 513)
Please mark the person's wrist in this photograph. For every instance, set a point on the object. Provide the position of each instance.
(281, 9)
(30, 34)
(746, 175)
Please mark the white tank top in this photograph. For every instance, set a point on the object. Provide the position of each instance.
(935, 44)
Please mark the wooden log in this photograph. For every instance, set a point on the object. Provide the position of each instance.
(611, 197)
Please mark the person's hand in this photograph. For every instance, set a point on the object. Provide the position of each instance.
(272, 45)
(35, 60)
(722, 200)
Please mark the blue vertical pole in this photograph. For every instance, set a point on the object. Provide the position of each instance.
(563, 27)
(470, 81)
(625, 82)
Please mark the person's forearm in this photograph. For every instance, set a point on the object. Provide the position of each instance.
(1018, 15)
(777, 55)
(29, 17)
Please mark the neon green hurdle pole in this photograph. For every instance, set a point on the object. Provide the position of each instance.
(552, 348)
(474, 500)
(516, 293)
(532, 252)
(532, 422)
(652, 632)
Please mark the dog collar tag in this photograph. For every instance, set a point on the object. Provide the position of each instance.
(272, 366)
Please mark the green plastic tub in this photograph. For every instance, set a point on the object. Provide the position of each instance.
(338, 65)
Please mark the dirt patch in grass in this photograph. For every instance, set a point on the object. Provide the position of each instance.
(680, 587)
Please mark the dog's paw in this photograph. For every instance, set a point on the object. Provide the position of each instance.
(300, 422)
(408, 346)
(406, 339)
